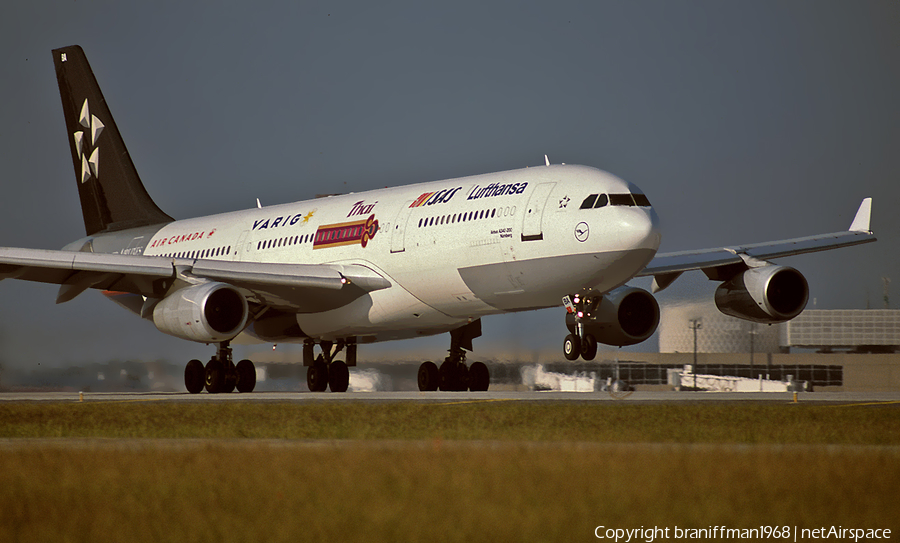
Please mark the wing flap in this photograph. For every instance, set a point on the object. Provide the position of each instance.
(57, 267)
(283, 275)
(297, 287)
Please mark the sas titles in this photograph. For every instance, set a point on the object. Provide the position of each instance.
(431, 198)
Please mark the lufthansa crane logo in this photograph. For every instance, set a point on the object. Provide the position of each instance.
(86, 143)
(582, 231)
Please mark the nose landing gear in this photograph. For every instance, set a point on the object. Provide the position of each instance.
(579, 343)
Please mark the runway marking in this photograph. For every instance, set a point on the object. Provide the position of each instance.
(864, 404)
(486, 400)
(87, 399)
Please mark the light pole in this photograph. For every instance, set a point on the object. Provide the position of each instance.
(752, 337)
(695, 324)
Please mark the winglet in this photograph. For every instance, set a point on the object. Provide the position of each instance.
(863, 216)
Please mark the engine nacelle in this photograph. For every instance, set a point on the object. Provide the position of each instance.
(767, 295)
(208, 313)
(624, 316)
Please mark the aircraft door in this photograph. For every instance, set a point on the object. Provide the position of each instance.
(532, 229)
(398, 233)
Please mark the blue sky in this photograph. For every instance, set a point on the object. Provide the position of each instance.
(742, 122)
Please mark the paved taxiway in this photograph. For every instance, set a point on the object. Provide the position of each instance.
(463, 397)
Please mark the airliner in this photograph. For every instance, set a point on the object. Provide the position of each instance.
(337, 272)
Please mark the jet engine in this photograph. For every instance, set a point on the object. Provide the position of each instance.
(767, 295)
(624, 316)
(207, 313)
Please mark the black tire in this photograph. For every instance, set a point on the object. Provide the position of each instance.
(446, 373)
(194, 376)
(215, 376)
(429, 377)
(230, 378)
(246, 376)
(479, 377)
(589, 347)
(572, 347)
(317, 376)
(454, 377)
(338, 376)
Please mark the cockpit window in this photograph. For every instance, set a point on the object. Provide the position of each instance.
(621, 199)
(597, 201)
(641, 200)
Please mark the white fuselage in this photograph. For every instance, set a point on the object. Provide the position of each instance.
(453, 250)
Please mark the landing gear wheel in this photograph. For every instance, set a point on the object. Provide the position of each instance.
(572, 347)
(317, 376)
(588, 347)
(246, 376)
(194, 376)
(230, 378)
(429, 377)
(215, 376)
(454, 376)
(338, 376)
(479, 377)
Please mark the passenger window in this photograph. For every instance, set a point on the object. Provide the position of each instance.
(641, 200)
(621, 200)
(589, 202)
(602, 200)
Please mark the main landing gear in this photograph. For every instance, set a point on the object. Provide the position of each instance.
(220, 374)
(579, 343)
(454, 374)
(324, 371)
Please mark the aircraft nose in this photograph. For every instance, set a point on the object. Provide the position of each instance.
(643, 231)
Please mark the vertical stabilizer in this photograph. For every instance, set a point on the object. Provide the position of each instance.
(112, 195)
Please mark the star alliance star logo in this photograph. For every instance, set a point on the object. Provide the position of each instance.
(86, 143)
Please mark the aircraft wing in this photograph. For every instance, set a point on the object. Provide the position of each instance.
(294, 286)
(718, 263)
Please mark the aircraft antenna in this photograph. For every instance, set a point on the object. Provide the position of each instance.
(546, 160)
(258, 205)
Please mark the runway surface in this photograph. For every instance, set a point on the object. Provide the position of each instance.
(463, 397)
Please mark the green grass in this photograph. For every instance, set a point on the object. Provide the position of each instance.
(505, 421)
(500, 471)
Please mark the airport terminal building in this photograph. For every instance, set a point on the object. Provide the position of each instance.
(832, 349)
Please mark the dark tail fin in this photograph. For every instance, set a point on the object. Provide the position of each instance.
(112, 195)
